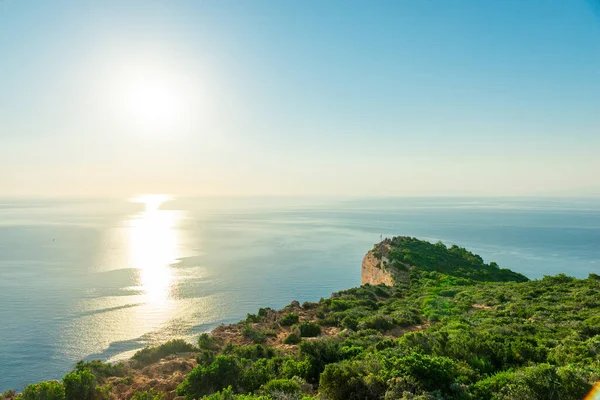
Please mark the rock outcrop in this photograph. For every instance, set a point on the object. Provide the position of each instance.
(377, 268)
(375, 265)
(374, 271)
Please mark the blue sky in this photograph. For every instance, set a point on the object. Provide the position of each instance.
(399, 98)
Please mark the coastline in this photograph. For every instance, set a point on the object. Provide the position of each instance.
(345, 315)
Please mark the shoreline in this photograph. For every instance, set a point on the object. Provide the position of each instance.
(436, 287)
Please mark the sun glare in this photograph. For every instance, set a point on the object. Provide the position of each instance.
(153, 247)
(153, 103)
(150, 97)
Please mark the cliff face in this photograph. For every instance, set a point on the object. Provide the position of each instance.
(374, 271)
(375, 268)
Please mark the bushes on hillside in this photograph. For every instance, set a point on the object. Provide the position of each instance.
(253, 334)
(277, 387)
(149, 355)
(350, 381)
(289, 319)
(292, 338)
(235, 370)
(253, 352)
(101, 370)
(207, 342)
(224, 371)
(542, 381)
(319, 353)
(378, 322)
(80, 385)
(309, 329)
(51, 390)
(148, 395)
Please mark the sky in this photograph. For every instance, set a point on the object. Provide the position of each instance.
(285, 98)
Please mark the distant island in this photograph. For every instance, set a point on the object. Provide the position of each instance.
(429, 322)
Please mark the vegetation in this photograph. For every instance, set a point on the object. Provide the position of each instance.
(454, 260)
(101, 370)
(80, 385)
(253, 334)
(148, 395)
(309, 329)
(51, 390)
(455, 328)
(152, 354)
(207, 342)
(292, 338)
(289, 319)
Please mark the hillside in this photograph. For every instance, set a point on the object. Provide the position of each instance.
(452, 327)
(397, 256)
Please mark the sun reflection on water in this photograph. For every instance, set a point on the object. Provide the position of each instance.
(154, 247)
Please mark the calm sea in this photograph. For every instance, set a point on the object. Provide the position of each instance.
(98, 279)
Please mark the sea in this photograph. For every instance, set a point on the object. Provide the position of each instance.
(102, 278)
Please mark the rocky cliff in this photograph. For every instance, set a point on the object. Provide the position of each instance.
(375, 269)
(380, 266)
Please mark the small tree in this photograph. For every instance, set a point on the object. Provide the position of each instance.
(80, 385)
(51, 390)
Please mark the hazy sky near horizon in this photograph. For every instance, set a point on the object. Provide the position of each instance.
(300, 97)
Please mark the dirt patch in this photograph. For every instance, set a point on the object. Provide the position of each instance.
(164, 376)
(475, 307)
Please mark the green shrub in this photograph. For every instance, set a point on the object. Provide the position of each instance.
(101, 370)
(205, 357)
(269, 332)
(350, 381)
(292, 367)
(255, 374)
(253, 318)
(228, 394)
(263, 312)
(51, 390)
(378, 322)
(348, 352)
(149, 355)
(148, 395)
(405, 318)
(126, 380)
(591, 326)
(319, 353)
(80, 385)
(289, 319)
(207, 342)
(431, 372)
(254, 352)
(486, 388)
(292, 338)
(542, 381)
(277, 386)
(253, 334)
(309, 305)
(350, 322)
(224, 371)
(309, 329)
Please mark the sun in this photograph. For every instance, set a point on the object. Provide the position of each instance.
(153, 103)
(151, 97)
